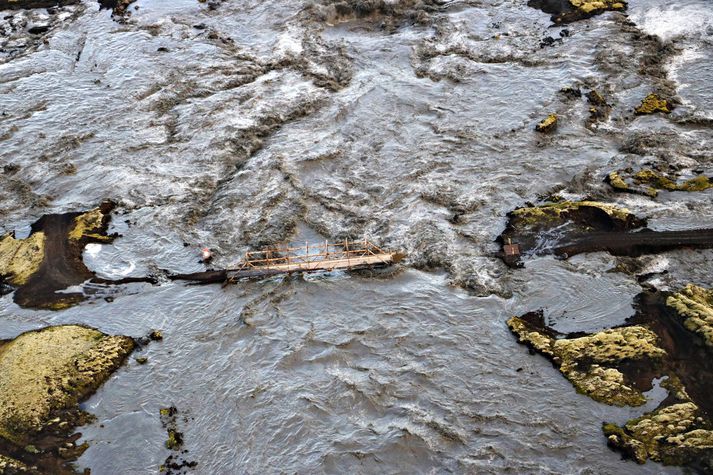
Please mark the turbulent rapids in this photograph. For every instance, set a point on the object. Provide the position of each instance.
(540, 170)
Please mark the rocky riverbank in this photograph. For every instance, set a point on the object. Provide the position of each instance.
(669, 337)
(44, 375)
(45, 265)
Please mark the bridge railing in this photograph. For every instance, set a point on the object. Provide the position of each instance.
(309, 253)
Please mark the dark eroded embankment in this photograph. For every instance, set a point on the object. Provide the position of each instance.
(635, 244)
(49, 261)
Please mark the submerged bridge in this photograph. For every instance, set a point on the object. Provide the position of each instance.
(324, 257)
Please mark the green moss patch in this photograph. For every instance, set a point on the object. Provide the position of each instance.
(672, 435)
(652, 104)
(589, 362)
(21, 258)
(695, 306)
(649, 182)
(45, 371)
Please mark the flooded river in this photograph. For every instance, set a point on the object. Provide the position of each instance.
(236, 124)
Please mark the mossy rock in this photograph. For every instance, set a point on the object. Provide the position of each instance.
(50, 259)
(652, 104)
(610, 346)
(175, 440)
(567, 11)
(593, 7)
(589, 362)
(91, 224)
(617, 182)
(649, 182)
(527, 226)
(672, 435)
(21, 258)
(10, 465)
(566, 209)
(699, 183)
(49, 370)
(695, 306)
(548, 124)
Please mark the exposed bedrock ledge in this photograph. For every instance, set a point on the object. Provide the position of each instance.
(566, 11)
(668, 337)
(44, 375)
(672, 435)
(568, 228)
(649, 182)
(50, 259)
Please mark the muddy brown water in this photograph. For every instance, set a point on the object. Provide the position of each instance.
(244, 123)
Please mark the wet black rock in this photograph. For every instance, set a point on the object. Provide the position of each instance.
(565, 11)
(18, 4)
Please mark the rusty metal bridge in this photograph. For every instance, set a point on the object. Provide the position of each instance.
(346, 255)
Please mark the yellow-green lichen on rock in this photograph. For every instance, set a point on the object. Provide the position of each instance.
(699, 183)
(555, 210)
(21, 258)
(648, 182)
(587, 362)
(652, 104)
(548, 124)
(604, 385)
(539, 341)
(591, 7)
(91, 225)
(695, 305)
(609, 346)
(52, 369)
(10, 465)
(617, 182)
(671, 435)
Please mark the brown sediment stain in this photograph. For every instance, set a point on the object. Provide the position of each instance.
(44, 375)
(670, 334)
(648, 182)
(50, 259)
(566, 11)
